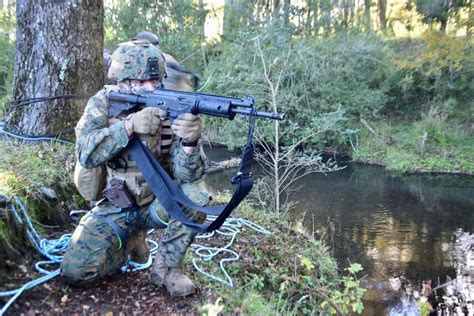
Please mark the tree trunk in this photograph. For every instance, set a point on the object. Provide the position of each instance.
(308, 17)
(276, 9)
(383, 14)
(59, 48)
(315, 17)
(202, 20)
(286, 11)
(470, 20)
(229, 16)
(367, 4)
(345, 14)
(352, 9)
(443, 25)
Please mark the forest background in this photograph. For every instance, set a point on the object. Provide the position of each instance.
(388, 82)
(397, 74)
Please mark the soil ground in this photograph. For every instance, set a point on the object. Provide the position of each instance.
(118, 294)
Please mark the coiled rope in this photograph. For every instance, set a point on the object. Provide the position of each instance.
(54, 249)
(231, 228)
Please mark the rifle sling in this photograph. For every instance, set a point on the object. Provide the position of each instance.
(172, 198)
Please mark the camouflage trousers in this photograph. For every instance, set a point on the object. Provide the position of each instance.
(97, 250)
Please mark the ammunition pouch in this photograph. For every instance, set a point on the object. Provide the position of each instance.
(117, 194)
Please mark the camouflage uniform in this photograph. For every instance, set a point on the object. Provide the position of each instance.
(96, 249)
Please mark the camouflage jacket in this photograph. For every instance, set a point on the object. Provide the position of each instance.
(100, 139)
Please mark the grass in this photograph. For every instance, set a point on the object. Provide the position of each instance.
(285, 273)
(429, 145)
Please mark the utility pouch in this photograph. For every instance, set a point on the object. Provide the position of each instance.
(89, 182)
(117, 194)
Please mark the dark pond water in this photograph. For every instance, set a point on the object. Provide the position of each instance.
(395, 225)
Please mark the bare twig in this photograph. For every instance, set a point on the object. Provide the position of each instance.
(368, 126)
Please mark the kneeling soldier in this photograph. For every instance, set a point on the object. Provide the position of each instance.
(108, 235)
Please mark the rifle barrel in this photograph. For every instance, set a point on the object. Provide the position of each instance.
(270, 115)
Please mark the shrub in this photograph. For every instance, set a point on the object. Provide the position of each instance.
(320, 75)
(177, 24)
(439, 69)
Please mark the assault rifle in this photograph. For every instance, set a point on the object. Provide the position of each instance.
(177, 102)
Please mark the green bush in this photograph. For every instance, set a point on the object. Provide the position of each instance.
(177, 24)
(319, 76)
(438, 69)
(428, 144)
(301, 279)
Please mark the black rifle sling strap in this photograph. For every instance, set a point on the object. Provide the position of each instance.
(172, 197)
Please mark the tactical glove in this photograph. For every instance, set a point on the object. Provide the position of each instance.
(146, 121)
(187, 126)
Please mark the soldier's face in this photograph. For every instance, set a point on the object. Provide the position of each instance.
(149, 85)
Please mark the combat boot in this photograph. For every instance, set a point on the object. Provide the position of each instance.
(176, 283)
(137, 247)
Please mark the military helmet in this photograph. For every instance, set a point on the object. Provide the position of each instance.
(138, 60)
(148, 36)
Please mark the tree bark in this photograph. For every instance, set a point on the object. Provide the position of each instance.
(58, 51)
(352, 17)
(443, 25)
(345, 14)
(470, 20)
(326, 10)
(308, 17)
(276, 9)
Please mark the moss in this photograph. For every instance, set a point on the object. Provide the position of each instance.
(26, 169)
(30, 167)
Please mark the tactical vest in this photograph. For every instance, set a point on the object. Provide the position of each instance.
(91, 182)
(124, 167)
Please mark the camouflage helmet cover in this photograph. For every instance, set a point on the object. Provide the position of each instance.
(138, 60)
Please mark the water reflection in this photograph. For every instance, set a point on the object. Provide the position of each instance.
(395, 225)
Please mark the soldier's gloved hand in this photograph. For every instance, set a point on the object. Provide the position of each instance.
(146, 121)
(187, 126)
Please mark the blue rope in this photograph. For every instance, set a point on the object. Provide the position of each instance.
(230, 228)
(55, 248)
(51, 249)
